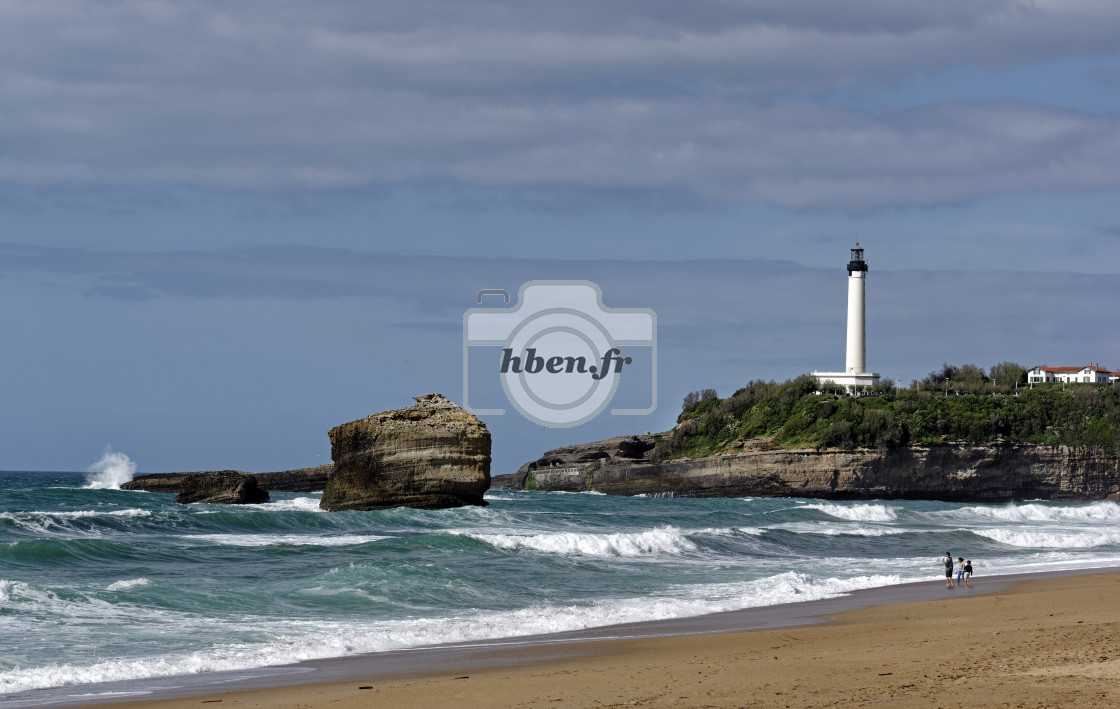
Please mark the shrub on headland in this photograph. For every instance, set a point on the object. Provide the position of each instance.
(970, 407)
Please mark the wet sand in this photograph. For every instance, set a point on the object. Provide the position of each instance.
(1044, 642)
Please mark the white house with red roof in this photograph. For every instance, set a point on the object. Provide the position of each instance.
(1091, 374)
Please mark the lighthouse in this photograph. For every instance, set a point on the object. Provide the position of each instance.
(856, 361)
(855, 372)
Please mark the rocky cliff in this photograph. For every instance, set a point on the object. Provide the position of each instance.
(950, 472)
(430, 455)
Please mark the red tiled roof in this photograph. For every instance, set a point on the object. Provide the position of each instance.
(1061, 369)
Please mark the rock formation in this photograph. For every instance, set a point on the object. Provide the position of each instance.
(298, 480)
(228, 487)
(563, 469)
(949, 472)
(430, 455)
(156, 482)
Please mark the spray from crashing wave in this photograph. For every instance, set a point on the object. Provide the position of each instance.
(111, 471)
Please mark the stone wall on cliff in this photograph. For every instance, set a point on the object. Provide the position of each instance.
(950, 472)
(430, 455)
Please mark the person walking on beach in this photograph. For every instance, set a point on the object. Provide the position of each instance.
(948, 561)
(960, 570)
(968, 572)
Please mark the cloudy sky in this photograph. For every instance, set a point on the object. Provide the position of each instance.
(227, 226)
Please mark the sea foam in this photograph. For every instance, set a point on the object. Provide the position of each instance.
(126, 584)
(663, 540)
(855, 513)
(295, 504)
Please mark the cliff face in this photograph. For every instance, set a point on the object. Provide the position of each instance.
(951, 472)
(430, 455)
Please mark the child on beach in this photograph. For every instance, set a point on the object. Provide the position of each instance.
(967, 572)
(960, 570)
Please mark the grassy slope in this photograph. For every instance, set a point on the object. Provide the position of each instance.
(794, 416)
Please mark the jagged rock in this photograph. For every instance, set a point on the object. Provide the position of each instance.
(228, 487)
(429, 456)
(298, 480)
(949, 472)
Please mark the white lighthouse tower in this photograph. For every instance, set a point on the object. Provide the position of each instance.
(855, 361)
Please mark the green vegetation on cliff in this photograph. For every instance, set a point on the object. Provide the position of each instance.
(793, 415)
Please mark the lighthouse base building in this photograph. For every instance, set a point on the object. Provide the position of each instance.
(855, 372)
(848, 380)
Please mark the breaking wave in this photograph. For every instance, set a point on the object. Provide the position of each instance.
(663, 540)
(1037, 512)
(855, 513)
(111, 471)
(1049, 540)
(265, 540)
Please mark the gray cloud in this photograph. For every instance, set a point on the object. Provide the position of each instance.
(1107, 76)
(607, 96)
(773, 311)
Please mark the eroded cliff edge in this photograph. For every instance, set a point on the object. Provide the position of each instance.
(948, 472)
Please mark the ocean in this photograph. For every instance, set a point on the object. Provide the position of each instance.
(99, 584)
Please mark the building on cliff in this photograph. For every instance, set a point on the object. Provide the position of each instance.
(1091, 374)
(855, 372)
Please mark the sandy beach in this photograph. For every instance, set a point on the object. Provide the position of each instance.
(1049, 642)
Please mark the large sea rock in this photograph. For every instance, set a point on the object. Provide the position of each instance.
(960, 472)
(227, 487)
(429, 456)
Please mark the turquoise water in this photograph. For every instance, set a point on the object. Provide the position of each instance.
(104, 584)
